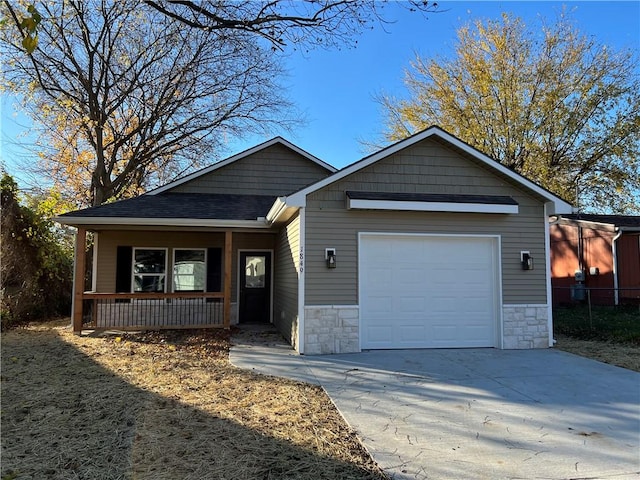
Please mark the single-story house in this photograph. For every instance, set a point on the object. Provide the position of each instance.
(603, 251)
(426, 243)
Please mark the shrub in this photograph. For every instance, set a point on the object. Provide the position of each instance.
(36, 268)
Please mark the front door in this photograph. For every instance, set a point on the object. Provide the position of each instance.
(255, 287)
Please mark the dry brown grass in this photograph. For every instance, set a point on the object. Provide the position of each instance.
(623, 355)
(161, 406)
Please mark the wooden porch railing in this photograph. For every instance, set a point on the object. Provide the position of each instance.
(153, 311)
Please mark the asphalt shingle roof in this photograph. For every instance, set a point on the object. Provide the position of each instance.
(183, 205)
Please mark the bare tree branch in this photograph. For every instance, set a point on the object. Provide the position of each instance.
(301, 23)
(124, 95)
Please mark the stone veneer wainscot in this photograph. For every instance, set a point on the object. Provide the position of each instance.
(525, 326)
(335, 328)
(331, 329)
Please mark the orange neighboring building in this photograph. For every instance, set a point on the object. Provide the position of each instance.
(606, 248)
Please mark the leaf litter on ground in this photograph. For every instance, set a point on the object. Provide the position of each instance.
(162, 405)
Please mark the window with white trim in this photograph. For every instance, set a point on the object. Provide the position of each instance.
(189, 269)
(149, 269)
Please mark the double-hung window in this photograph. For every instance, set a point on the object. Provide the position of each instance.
(189, 270)
(149, 269)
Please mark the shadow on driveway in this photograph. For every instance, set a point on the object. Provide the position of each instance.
(476, 413)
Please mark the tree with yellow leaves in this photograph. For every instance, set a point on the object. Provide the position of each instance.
(554, 105)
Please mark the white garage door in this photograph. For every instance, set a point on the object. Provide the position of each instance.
(420, 291)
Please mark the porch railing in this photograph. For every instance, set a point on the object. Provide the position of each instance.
(152, 311)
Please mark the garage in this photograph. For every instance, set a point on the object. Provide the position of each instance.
(428, 291)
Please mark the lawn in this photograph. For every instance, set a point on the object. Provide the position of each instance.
(161, 406)
(619, 324)
(610, 335)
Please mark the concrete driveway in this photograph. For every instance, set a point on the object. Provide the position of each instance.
(474, 413)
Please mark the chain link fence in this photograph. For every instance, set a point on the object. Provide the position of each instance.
(597, 312)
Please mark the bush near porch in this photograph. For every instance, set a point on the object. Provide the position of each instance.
(36, 267)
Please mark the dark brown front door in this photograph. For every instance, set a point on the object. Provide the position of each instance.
(255, 287)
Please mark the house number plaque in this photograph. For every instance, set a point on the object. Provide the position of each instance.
(301, 259)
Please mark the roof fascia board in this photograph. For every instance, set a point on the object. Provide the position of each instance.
(237, 157)
(431, 206)
(298, 199)
(276, 209)
(575, 222)
(560, 205)
(607, 226)
(162, 222)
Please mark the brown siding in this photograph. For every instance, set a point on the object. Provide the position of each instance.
(628, 252)
(597, 253)
(287, 263)
(572, 247)
(110, 240)
(564, 261)
(427, 167)
(276, 170)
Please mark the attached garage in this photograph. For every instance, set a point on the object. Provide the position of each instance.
(429, 291)
(433, 245)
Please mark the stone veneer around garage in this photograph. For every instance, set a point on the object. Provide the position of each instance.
(525, 326)
(335, 329)
(331, 329)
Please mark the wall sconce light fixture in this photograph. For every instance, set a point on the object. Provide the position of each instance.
(330, 257)
(526, 260)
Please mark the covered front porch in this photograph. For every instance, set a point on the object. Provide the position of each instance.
(163, 278)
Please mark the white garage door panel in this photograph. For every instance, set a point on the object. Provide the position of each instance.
(428, 291)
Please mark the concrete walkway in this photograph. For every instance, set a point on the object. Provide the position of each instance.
(473, 413)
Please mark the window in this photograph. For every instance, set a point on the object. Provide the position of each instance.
(149, 269)
(254, 271)
(189, 270)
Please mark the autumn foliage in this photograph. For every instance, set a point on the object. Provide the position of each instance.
(36, 269)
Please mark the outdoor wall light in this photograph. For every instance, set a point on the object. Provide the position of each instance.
(526, 260)
(330, 257)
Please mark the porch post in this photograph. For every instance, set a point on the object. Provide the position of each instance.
(78, 279)
(228, 236)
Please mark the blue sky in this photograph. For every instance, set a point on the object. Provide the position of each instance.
(334, 90)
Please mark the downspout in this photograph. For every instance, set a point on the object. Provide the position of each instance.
(580, 250)
(614, 254)
(547, 247)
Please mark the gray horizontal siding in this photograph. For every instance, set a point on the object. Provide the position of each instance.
(287, 263)
(425, 168)
(276, 170)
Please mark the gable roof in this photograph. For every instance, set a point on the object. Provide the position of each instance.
(182, 209)
(298, 199)
(286, 205)
(161, 207)
(239, 156)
